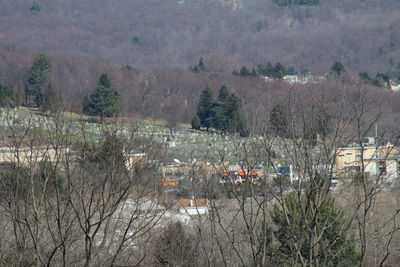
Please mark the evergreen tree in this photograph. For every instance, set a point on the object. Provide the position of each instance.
(38, 81)
(35, 8)
(196, 123)
(194, 69)
(298, 225)
(103, 101)
(135, 40)
(265, 70)
(244, 71)
(201, 65)
(279, 71)
(226, 112)
(109, 153)
(364, 76)
(219, 119)
(381, 80)
(222, 114)
(223, 94)
(204, 107)
(104, 81)
(338, 68)
(234, 123)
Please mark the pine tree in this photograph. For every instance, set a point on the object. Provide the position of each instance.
(38, 81)
(232, 114)
(244, 71)
(265, 70)
(204, 108)
(299, 226)
(35, 8)
(222, 114)
(223, 93)
(104, 81)
(219, 120)
(364, 76)
(103, 101)
(337, 68)
(279, 71)
(201, 65)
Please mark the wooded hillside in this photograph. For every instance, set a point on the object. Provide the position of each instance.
(363, 35)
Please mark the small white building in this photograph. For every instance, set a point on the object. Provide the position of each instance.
(292, 79)
(194, 207)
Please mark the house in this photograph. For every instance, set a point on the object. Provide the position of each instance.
(394, 85)
(292, 79)
(27, 155)
(194, 207)
(133, 158)
(296, 79)
(348, 158)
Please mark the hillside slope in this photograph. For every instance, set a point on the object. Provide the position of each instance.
(363, 35)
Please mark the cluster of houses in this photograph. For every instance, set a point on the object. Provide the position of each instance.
(171, 173)
(393, 85)
(298, 79)
(377, 160)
